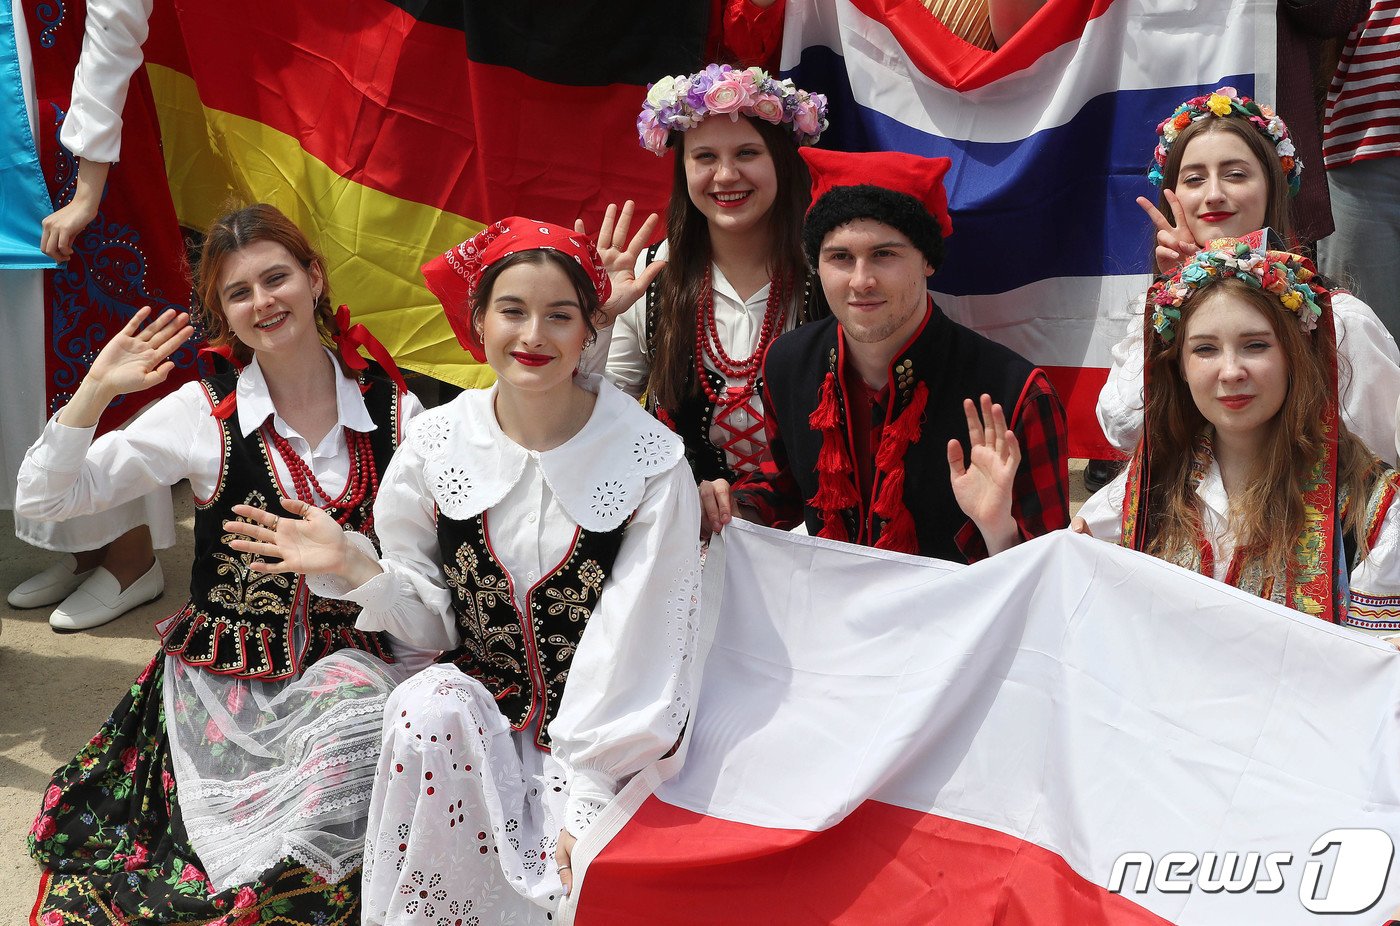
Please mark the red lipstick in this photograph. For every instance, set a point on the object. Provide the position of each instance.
(1236, 402)
(529, 359)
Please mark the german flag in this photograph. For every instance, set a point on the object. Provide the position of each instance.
(397, 129)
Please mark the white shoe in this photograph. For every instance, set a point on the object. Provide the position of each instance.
(50, 586)
(101, 599)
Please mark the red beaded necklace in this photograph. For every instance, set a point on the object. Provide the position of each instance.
(707, 342)
(362, 484)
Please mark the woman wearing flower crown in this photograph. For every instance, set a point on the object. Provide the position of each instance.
(232, 778)
(1226, 167)
(1245, 471)
(544, 534)
(734, 275)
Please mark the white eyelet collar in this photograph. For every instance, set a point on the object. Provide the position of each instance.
(598, 475)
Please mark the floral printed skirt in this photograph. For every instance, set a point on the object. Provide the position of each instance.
(113, 844)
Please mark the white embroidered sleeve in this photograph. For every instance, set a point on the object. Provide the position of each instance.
(409, 599)
(1375, 583)
(628, 693)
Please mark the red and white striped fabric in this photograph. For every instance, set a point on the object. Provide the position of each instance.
(1363, 103)
(883, 739)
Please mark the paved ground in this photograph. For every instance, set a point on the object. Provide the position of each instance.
(56, 689)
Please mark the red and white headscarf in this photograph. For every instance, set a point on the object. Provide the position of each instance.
(454, 275)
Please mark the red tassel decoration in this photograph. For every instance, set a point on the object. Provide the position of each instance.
(834, 527)
(824, 417)
(898, 532)
(836, 490)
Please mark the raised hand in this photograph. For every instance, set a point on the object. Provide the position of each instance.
(306, 541)
(983, 484)
(134, 359)
(138, 358)
(1175, 245)
(621, 261)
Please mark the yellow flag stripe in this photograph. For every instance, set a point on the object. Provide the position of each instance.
(374, 242)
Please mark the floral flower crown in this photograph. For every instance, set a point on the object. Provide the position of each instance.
(678, 104)
(1288, 276)
(1222, 103)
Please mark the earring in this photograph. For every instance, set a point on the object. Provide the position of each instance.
(590, 341)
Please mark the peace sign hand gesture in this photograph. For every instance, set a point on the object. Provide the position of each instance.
(983, 484)
(1175, 245)
(134, 359)
(621, 262)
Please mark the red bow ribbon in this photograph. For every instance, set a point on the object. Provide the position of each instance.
(353, 337)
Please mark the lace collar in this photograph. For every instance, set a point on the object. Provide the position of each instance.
(598, 475)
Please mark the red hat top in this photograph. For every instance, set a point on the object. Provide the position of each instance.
(898, 171)
(454, 275)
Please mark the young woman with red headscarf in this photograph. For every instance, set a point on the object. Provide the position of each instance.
(544, 534)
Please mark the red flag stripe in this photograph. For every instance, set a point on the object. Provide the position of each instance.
(882, 865)
(394, 104)
(958, 64)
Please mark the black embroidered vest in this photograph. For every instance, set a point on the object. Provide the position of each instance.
(523, 662)
(955, 362)
(246, 624)
(695, 416)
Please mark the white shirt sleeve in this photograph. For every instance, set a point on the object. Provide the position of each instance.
(1103, 512)
(628, 692)
(1375, 583)
(1368, 374)
(410, 599)
(112, 40)
(1120, 400)
(66, 473)
(628, 367)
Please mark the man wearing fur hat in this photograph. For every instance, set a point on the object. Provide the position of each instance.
(870, 408)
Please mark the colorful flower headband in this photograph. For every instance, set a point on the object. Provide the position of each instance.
(1222, 103)
(1288, 276)
(678, 104)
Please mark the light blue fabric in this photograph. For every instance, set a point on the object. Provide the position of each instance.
(24, 200)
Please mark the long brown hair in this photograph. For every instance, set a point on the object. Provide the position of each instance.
(1269, 516)
(1276, 207)
(689, 254)
(233, 232)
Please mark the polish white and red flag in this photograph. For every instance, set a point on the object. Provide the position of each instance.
(1069, 732)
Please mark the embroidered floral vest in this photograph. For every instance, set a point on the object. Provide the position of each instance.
(522, 659)
(246, 624)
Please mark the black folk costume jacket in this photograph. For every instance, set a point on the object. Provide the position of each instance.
(909, 505)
